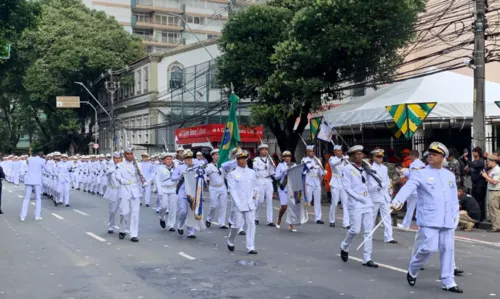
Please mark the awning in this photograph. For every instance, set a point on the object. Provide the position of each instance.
(214, 132)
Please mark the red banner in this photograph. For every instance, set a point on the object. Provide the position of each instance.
(214, 133)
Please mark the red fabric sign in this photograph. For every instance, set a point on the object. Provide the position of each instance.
(214, 133)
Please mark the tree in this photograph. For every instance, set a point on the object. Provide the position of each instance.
(326, 45)
(70, 43)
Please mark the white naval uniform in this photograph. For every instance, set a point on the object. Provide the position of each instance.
(130, 195)
(411, 202)
(63, 181)
(33, 180)
(112, 195)
(337, 190)
(437, 217)
(281, 172)
(182, 202)
(265, 170)
(360, 208)
(16, 172)
(313, 184)
(218, 194)
(166, 189)
(381, 199)
(147, 171)
(242, 185)
(226, 168)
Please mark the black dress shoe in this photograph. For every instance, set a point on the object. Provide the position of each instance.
(370, 264)
(140, 204)
(110, 231)
(320, 222)
(162, 223)
(55, 203)
(393, 242)
(134, 239)
(231, 248)
(67, 206)
(229, 224)
(147, 205)
(223, 227)
(171, 229)
(191, 237)
(158, 212)
(411, 280)
(256, 222)
(271, 224)
(208, 223)
(348, 227)
(180, 231)
(458, 272)
(1, 212)
(252, 252)
(332, 224)
(422, 268)
(454, 289)
(242, 233)
(122, 236)
(344, 255)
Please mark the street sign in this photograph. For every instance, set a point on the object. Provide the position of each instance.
(67, 102)
(96, 146)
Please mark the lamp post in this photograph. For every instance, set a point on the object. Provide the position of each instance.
(96, 123)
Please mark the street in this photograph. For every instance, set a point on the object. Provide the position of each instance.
(70, 255)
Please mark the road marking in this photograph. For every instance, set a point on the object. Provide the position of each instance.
(96, 237)
(10, 191)
(20, 196)
(32, 203)
(80, 212)
(214, 223)
(458, 238)
(57, 216)
(380, 265)
(186, 256)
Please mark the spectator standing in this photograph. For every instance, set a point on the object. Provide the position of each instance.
(476, 167)
(454, 166)
(493, 179)
(2, 177)
(470, 213)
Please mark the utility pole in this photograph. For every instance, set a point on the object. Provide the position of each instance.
(112, 87)
(478, 120)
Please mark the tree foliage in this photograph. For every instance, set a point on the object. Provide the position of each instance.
(68, 43)
(290, 56)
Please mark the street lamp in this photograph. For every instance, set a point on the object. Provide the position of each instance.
(96, 123)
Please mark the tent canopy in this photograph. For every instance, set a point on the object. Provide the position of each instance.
(453, 93)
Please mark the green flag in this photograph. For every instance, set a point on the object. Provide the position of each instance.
(231, 137)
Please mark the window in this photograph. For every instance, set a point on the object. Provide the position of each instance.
(146, 79)
(132, 88)
(196, 20)
(210, 36)
(176, 77)
(139, 82)
(125, 91)
(143, 17)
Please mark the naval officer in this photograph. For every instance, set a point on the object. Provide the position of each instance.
(33, 181)
(437, 215)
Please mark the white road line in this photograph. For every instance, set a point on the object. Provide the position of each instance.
(57, 216)
(214, 223)
(10, 191)
(186, 256)
(32, 203)
(80, 212)
(20, 196)
(458, 238)
(96, 237)
(380, 265)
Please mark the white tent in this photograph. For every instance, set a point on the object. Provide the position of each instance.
(453, 93)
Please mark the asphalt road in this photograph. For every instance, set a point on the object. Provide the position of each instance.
(70, 255)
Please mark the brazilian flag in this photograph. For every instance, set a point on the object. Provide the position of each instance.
(231, 137)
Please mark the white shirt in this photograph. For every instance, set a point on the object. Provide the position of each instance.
(34, 174)
(495, 175)
(242, 188)
(163, 180)
(315, 173)
(263, 168)
(214, 175)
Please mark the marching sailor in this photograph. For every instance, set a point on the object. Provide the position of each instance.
(33, 181)
(147, 167)
(63, 169)
(281, 176)
(179, 156)
(380, 194)
(218, 191)
(264, 169)
(243, 189)
(437, 215)
(128, 174)
(166, 189)
(200, 160)
(112, 193)
(337, 163)
(226, 168)
(313, 181)
(354, 181)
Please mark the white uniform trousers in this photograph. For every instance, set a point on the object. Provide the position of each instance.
(113, 208)
(158, 203)
(64, 193)
(360, 219)
(233, 215)
(432, 241)
(218, 201)
(169, 205)
(27, 196)
(182, 209)
(129, 209)
(385, 216)
(338, 194)
(411, 204)
(16, 178)
(249, 218)
(314, 193)
(147, 194)
(266, 190)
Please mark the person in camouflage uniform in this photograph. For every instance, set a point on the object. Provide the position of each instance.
(454, 166)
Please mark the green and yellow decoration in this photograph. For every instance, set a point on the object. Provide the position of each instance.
(408, 117)
(314, 126)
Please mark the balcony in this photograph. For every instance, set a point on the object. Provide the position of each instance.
(172, 6)
(151, 40)
(155, 25)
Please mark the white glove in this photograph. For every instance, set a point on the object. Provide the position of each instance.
(396, 206)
